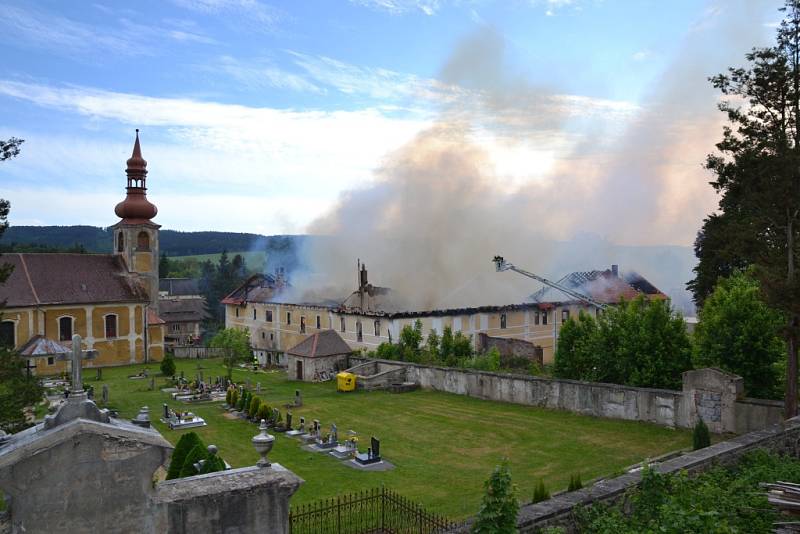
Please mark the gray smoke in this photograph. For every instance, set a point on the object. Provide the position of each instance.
(438, 210)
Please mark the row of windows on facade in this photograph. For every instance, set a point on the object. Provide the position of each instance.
(65, 330)
(538, 318)
(142, 242)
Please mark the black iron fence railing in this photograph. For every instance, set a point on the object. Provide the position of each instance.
(375, 511)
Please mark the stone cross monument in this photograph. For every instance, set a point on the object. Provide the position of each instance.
(76, 358)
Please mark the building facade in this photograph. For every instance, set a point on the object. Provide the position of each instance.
(363, 321)
(111, 300)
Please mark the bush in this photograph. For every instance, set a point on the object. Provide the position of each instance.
(185, 444)
(498, 511)
(540, 492)
(212, 464)
(198, 452)
(234, 398)
(639, 343)
(254, 405)
(228, 396)
(575, 482)
(721, 500)
(739, 333)
(168, 366)
(264, 412)
(700, 436)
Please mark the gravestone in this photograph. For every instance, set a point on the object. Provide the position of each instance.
(166, 411)
(105, 394)
(90, 392)
(182, 376)
(373, 454)
(99, 374)
(331, 441)
(258, 387)
(301, 430)
(289, 420)
(298, 400)
(152, 383)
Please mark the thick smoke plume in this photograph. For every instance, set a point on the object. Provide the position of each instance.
(439, 208)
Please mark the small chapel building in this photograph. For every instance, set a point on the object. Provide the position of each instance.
(111, 300)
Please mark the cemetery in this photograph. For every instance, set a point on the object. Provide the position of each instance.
(422, 444)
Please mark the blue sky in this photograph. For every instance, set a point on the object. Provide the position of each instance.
(258, 115)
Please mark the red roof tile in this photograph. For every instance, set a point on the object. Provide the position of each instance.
(69, 279)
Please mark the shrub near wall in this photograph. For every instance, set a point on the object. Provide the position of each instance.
(639, 343)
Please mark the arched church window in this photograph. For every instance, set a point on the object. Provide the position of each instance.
(7, 337)
(143, 241)
(120, 242)
(65, 329)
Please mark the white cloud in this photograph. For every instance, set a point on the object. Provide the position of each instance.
(258, 74)
(398, 7)
(256, 15)
(642, 55)
(64, 36)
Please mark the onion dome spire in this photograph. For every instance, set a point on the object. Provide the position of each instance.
(136, 208)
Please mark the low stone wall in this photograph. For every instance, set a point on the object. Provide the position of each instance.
(510, 347)
(197, 352)
(783, 438)
(374, 375)
(663, 407)
(754, 414)
(248, 499)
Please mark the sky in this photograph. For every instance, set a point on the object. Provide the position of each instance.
(265, 116)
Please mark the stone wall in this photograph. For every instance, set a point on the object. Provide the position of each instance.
(660, 406)
(86, 476)
(510, 347)
(249, 499)
(755, 414)
(783, 438)
(712, 394)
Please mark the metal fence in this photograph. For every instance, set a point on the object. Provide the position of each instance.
(375, 511)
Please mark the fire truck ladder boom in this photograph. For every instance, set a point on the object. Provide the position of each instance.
(502, 265)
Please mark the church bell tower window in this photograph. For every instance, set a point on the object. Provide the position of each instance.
(143, 241)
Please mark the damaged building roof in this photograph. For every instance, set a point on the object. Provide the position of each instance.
(182, 310)
(69, 279)
(608, 287)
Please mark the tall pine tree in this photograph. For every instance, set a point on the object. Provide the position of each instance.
(757, 174)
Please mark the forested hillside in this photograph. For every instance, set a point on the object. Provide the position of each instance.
(172, 243)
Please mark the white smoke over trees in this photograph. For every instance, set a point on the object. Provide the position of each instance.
(442, 205)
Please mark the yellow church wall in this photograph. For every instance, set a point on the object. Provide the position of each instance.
(99, 324)
(143, 262)
(112, 352)
(139, 350)
(52, 316)
(137, 319)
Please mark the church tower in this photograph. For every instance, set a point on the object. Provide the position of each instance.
(136, 236)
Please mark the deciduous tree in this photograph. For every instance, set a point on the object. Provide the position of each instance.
(739, 333)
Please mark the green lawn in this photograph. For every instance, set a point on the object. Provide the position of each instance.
(443, 446)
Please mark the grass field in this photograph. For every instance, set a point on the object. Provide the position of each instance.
(443, 446)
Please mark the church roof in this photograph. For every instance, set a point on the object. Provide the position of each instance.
(321, 344)
(61, 278)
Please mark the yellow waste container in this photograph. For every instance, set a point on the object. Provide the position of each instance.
(345, 381)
